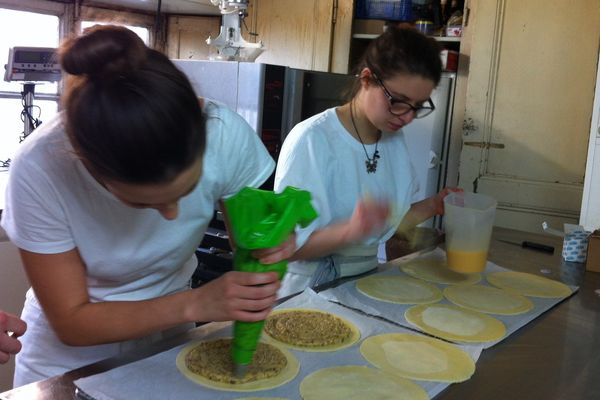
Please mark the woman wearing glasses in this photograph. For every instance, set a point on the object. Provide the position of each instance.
(354, 161)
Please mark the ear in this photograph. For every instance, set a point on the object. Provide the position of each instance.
(365, 77)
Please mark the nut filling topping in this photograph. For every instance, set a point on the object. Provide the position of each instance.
(212, 360)
(307, 328)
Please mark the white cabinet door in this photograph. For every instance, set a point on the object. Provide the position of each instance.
(528, 107)
(296, 34)
(590, 205)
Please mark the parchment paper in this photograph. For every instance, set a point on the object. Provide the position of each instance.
(347, 294)
(157, 377)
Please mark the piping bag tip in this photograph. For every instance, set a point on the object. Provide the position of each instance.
(239, 370)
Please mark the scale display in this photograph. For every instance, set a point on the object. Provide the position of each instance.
(32, 64)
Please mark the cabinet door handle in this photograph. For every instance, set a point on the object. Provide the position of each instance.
(486, 145)
(433, 160)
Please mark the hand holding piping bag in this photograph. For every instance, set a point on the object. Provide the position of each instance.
(262, 219)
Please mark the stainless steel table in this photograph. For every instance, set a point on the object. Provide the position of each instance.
(556, 356)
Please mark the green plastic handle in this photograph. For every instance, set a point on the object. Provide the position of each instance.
(262, 219)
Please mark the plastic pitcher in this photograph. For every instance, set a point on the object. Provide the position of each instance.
(468, 219)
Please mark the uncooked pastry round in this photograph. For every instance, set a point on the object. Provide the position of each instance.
(358, 382)
(435, 270)
(529, 284)
(418, 357)
(288, 373)
(455, 323)
(399, 289)
(297, 327)
(488, 299)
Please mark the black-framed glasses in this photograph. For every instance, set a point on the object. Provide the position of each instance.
(400, 107)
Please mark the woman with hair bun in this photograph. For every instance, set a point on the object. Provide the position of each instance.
(354, 161)
(109, 201)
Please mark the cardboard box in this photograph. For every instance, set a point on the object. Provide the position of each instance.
(368, 26)
(454, 31)
(449, 60)
(593, 253)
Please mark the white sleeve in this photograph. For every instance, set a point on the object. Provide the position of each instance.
(244, 158)
(300, 166)
(34, 218)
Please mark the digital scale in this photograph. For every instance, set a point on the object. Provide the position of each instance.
(32, 64)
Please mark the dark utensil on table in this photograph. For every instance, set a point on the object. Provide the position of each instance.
(531, 245)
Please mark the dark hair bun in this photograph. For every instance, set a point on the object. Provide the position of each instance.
(103, 51)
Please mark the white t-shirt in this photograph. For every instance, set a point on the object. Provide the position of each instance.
(319, 155)
(53, 205)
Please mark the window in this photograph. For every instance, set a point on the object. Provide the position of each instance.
(142, 32)
(40, 26)
(20, 28)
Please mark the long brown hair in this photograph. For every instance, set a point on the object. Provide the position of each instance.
(400, 51)
(130, 113)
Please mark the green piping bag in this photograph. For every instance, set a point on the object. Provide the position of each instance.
(261, 219)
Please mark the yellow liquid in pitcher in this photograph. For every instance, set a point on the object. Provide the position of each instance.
(466, 261)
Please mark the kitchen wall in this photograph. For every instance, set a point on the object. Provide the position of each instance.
(13, 285)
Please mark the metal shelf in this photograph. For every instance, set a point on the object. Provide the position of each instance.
(370, 36)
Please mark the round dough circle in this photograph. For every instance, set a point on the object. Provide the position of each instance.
(399, 289)
(435, 270)
(287, 374)
(418, 357)
(488, 299)
(455, 323)
(529, 284)
(353, 338)
(358, 382)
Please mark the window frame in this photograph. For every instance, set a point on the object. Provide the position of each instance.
(69, 20)
(65, 21)
(107, 15)
(70, 14)
(64, 13)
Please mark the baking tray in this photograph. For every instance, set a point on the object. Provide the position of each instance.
(347, 295)
(157, 377)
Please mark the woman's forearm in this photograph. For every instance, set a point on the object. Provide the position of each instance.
(115, 321)
(77, 321)
(419, 212)
(368, 216)
(422, 210)
(323, 242)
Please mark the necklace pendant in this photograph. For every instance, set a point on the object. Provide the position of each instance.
(371, 165)
(370, 162)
